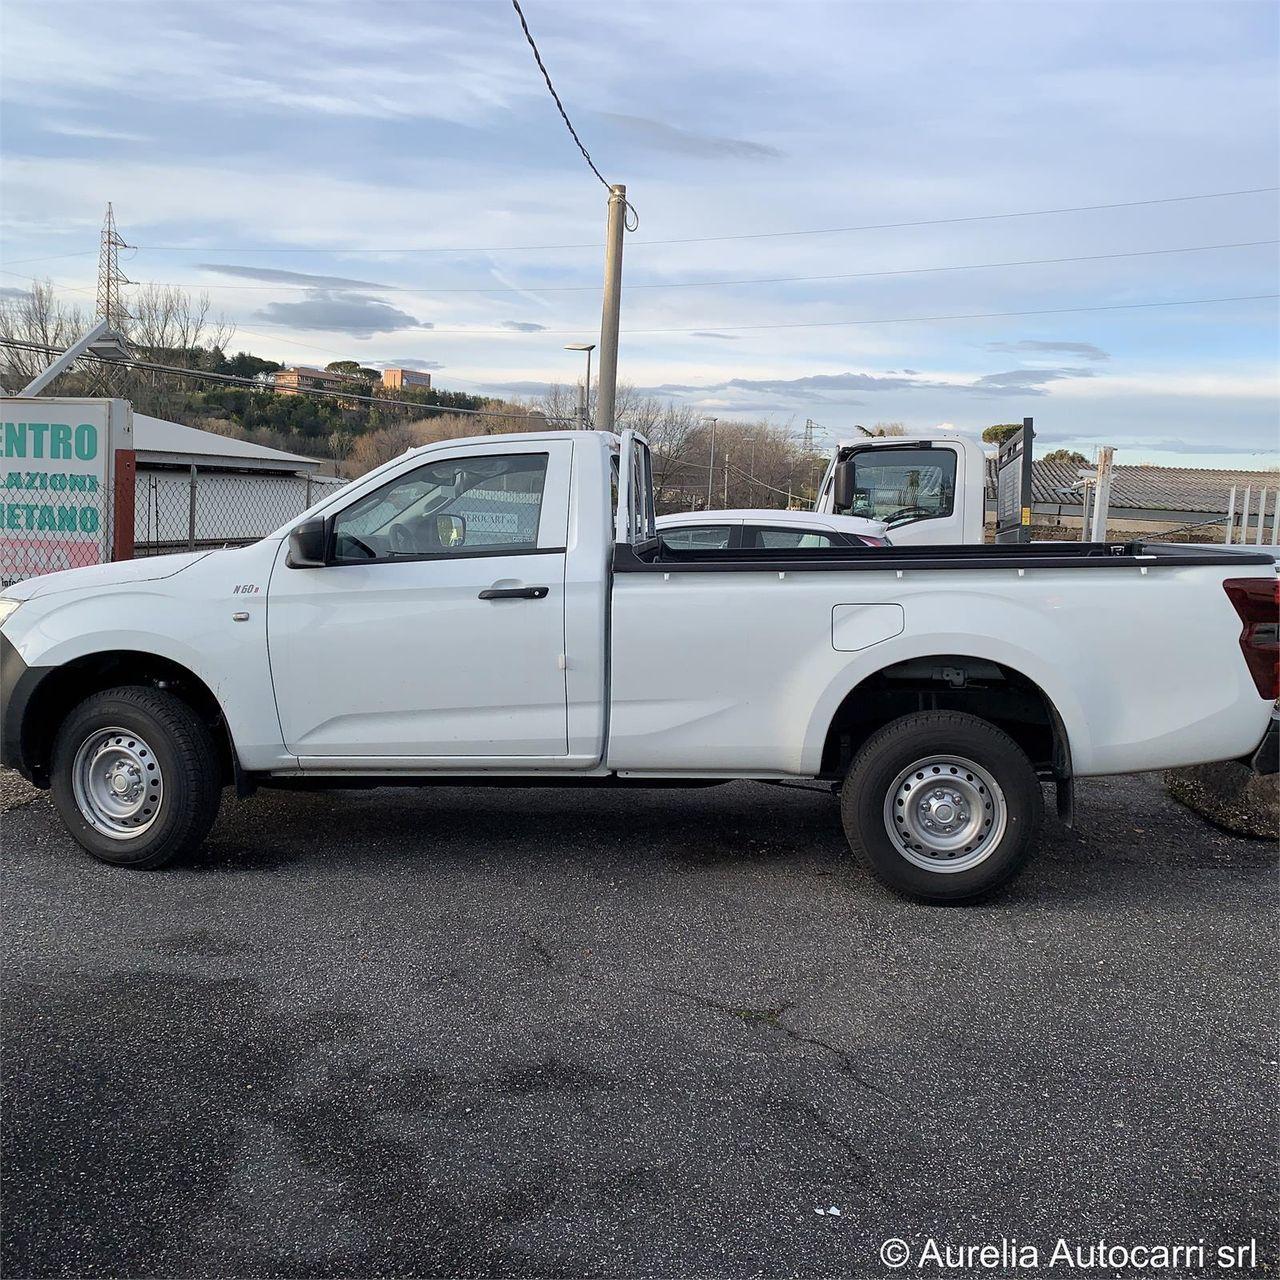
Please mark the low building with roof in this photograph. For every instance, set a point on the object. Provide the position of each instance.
(1153, 499)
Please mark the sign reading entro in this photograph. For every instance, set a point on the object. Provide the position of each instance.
(56, 468)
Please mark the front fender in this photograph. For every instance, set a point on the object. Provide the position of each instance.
(196, 633)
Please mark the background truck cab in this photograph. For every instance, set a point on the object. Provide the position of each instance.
(928, 491)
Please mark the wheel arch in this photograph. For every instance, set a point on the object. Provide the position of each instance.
(65, 686)
(992, 689)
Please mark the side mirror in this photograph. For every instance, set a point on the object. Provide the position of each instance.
(308, 545)
(842, 486)
(451, 530)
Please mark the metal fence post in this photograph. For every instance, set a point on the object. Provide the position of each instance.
(191, 512)
(1262, 515)
(1231, 515)
(124, 498)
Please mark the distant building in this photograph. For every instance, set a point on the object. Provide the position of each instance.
(292, 382)
(405, 380)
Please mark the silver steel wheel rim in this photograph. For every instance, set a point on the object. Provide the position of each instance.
(117, 783)
(945, 814)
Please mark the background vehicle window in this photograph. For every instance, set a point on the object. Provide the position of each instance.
(708, 537)
(904, 484)
(446, 508)
(786, 539)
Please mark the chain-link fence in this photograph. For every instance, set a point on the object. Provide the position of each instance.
(195, 508)
(51, 521)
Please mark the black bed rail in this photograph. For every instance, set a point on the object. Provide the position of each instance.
(660, 558)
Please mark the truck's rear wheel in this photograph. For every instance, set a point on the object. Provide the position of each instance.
(136, 776)
(942, 806)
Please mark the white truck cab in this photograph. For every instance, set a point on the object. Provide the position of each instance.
(928, 491)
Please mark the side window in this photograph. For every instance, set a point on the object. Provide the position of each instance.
(785, 539)
(484, 503)
(705, 537)
(898, 485)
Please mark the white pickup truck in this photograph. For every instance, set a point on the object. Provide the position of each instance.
(501, 608)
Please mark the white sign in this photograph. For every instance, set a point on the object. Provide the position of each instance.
(56, 473)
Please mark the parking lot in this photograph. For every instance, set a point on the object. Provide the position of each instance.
(472, 1031)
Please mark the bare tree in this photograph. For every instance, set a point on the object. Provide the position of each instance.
(39, 318)
(166, 319)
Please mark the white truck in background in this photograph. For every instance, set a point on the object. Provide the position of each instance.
(485, 609)
(929, 491)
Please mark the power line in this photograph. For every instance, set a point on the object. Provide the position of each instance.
(564, 115)
(706, 284)
(828, 324)
(76, 253)
(754, 235)
(240, 380)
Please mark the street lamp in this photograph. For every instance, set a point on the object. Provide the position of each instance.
(585, 393)
(101, 341)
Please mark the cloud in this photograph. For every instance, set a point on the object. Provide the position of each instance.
(351, 313)
(278, 275)
(834, 388)
(724, 337)
(1086, 350)
(821, 383)
(1022, 382)
(522, 326)
(6, 291)
(408, 362)
(520, 388)
(95, 132)
(666, 137)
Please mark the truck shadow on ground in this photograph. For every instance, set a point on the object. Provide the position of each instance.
(1129, 835)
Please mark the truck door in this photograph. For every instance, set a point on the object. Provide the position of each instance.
(435, 633)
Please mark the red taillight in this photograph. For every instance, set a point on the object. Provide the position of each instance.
(1257, 601)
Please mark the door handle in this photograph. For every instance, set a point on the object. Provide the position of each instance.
(514, 593)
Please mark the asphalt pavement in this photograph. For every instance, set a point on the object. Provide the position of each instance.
(542, 1032)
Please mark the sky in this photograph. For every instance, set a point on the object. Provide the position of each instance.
(391, 182)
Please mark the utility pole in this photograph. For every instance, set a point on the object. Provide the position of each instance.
(711, 469)
(726, 481)
(606, 396)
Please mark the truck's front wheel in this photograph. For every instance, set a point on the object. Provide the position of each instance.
(135, 776)
(942, 806)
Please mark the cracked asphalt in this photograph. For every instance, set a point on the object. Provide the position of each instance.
(482, 1032)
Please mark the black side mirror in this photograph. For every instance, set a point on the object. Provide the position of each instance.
(309, 545)
(842, 487)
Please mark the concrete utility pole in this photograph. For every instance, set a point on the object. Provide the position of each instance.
(606, 396)
(726, 480)
(711, 468)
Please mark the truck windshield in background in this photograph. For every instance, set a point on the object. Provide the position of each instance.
(903, 484)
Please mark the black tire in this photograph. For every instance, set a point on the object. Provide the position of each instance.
(177, 745)
(879, 780)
